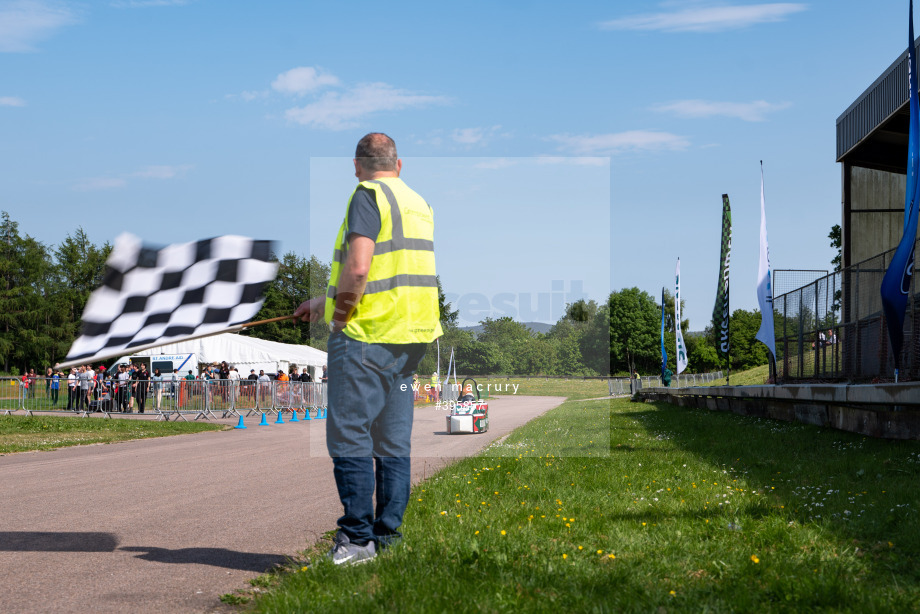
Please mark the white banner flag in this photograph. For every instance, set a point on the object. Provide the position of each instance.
(679, 336)
(764, 281)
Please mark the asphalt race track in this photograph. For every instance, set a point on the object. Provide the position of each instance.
(170, 524)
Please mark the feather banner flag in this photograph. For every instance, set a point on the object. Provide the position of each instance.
(664, 352)
(678, 334)
(764, 282)
(153, 296)
(896, 283)
(721, 311)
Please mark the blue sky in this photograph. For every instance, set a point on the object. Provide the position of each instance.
(567, 148)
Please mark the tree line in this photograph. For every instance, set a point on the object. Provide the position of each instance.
(43, 290)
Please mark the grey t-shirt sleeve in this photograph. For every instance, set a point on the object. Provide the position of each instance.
(363, 214)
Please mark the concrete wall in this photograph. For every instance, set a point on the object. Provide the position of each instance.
(872, 233)
(890, 411)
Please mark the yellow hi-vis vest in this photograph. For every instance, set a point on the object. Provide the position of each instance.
(400, 300)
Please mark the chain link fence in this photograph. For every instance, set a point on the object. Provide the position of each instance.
(833, 328)
(788, 280)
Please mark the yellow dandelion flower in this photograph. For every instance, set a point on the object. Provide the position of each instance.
(600, 552)
(476, 533)
(611, 556)
(503, 531)
(565, 556)
(304, 568)
(754, 559)
(443, 513)
(643, 524)
(672, 593)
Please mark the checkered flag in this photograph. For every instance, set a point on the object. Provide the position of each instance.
(150, 297)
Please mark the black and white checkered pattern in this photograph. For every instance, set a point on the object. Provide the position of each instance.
(155, 296)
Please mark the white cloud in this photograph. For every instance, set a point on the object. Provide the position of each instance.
(253, 95)
(11, 101)
(620, 142)
(474, 136)
(302, 80)
(503, 163)
(713, 18)
(162, 172)
(23, 23)
(340, 111)
(755, 111)
(100, 183)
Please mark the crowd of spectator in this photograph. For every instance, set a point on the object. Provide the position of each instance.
(126, 387)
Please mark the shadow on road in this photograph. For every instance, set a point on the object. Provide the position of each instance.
(217, 557)
(55, 541)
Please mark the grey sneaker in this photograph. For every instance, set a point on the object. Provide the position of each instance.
(347, 553)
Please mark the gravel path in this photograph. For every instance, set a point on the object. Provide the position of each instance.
(170, 524)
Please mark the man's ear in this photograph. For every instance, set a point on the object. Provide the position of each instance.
(398, 166)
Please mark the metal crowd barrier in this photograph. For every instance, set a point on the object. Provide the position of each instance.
(625, 386)
(167, 399)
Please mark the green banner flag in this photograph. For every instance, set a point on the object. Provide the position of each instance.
(721, 311)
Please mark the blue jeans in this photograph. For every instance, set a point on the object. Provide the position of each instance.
(368, 433)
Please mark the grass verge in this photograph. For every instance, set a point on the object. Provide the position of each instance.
(25, 433)
(576, 388)
(756, 376)
(659, 508)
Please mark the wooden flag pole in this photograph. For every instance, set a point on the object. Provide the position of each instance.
(268, 321)
(150, 346)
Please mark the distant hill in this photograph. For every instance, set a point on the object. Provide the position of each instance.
(535, 327)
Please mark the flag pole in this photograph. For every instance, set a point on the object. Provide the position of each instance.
(149, 346)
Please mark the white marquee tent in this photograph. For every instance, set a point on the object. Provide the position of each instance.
(244, 353)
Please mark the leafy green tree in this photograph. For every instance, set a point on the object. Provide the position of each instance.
(836, 237)
(512, 343)
(746, 351)
(567, 337)
(581, 311)
(79, 266)
(635, 320)
(449, 317)
(484, 358)
(702, 356)
(298, 279)
(503, 331)
(26, 339)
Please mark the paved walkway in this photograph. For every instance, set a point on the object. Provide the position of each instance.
(170, 524)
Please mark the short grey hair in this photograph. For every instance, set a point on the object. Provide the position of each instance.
(376, 152)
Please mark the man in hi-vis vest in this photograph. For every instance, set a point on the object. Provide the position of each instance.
(382, 311)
